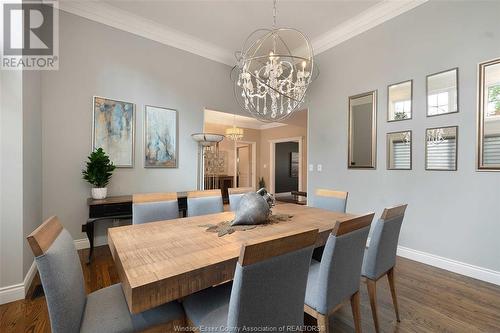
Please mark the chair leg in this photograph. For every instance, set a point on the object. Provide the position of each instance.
(356, 312)
(390, 277)
(323, 323)
(372, 292)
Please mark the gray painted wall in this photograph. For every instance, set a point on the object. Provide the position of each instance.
(32, 160)
(11, 178)
(98, 60)
(450, 214)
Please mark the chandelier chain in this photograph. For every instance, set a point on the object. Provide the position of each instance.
(275, 12)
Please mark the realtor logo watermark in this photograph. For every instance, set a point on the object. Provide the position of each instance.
(30, 35)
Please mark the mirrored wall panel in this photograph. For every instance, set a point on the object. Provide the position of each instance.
(399, 101)
(489, 115)
(362, 130)
(399, 150)
(441, 148)
(442, 93)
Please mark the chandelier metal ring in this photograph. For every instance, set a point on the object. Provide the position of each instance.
(273, 73)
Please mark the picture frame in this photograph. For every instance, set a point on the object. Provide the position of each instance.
(437, 84)
(444, 157)
(294, 164)
(113, 129)
(161, 137)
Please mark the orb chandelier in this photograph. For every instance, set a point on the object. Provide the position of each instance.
(273, 72)
(234, 133)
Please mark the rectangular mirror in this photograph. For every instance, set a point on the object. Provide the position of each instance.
(489, 116)
(399, 150)
(362, 131)
(442, 93)
(441, 148)
(399, 101)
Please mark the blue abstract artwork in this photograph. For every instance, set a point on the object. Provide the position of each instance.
(160, 137)
(114, 130)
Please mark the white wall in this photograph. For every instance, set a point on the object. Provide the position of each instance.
(450, 214)
(99, 60)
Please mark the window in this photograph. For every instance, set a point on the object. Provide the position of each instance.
(439, 103)
(402, 109)
(402, 155)
(493, 100)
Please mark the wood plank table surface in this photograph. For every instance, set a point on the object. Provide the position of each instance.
(162, 261)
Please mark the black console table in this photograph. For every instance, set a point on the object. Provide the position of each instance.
(116, 208)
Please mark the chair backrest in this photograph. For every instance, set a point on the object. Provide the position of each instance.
(61, 275)
(381, 254)
(204, 202)
(331, 200)
(235, 195)
(150, 207)
(270, 281)
(340, 268)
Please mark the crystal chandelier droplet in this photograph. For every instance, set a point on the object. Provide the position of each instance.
(273, 72)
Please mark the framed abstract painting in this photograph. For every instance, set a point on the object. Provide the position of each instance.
(113, 130)
(160, 137)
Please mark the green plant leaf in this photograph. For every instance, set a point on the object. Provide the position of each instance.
(99, 168)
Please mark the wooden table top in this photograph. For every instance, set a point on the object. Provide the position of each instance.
(163, 261)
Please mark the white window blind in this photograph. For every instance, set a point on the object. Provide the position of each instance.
(441, 155)
(491, 146)
(401, 155)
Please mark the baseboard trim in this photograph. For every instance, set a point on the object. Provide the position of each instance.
(82, 243)
(476, 272)
(18, 291)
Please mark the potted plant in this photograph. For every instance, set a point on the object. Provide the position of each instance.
(98, 173)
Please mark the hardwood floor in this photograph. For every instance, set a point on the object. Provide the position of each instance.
(430, 300)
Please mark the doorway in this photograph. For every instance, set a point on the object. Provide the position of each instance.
(245, 164)
(285, 165)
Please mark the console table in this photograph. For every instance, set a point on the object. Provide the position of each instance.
(116, 208)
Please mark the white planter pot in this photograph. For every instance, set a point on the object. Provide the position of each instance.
(99, 193)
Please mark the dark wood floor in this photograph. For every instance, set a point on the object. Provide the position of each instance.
(430, 300)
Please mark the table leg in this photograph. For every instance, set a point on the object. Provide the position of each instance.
(89, 229)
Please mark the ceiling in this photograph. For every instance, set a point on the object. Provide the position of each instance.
(298, 118)
(227, 23)
(216, 29)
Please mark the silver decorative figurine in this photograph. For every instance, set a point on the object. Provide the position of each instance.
(254, 208)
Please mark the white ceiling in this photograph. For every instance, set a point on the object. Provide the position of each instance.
(216, 29)
(227, 23)
(299, 118)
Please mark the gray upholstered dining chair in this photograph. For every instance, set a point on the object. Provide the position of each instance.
(331, 200)
(204, 202)
(380, 257)
(235, 195)
(267, 291)
(150, 207)
(337, 277)
(70, 309)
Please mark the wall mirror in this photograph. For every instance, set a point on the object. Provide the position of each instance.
(399, 101)
(442, 93)
(399, 150)
(362, 131)
(489, 115)
(441, 148)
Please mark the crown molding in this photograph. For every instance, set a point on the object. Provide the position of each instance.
(368, 19)
(137, 25)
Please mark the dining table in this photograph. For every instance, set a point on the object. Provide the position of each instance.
(163, 261)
